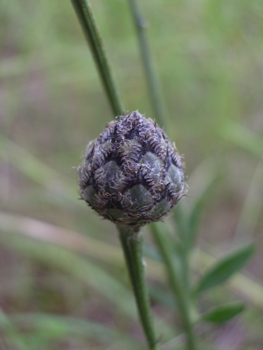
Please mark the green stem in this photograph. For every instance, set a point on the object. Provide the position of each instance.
(180, 287)
(132, 241)
(91, 31)
(176, 281)
(152, 81)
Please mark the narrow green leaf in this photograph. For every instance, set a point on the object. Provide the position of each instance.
(225, 268)
(223, 313)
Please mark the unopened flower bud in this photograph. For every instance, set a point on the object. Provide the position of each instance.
(132, 174)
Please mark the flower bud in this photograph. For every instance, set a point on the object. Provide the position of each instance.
(132, 174)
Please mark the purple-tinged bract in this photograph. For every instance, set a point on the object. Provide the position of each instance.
(132, 174)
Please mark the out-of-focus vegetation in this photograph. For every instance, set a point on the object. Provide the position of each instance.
(63, 284)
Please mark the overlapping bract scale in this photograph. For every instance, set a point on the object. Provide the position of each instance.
(132, 174)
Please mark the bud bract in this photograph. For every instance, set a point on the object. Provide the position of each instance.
(132, 174)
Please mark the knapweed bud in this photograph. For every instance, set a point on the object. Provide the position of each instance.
(132, 174)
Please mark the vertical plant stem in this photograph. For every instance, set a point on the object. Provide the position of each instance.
(91, 31)
(152, 81)
(132, 241)
(177, 284)
(180, 290)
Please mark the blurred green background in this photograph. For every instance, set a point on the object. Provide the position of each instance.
(63, 284)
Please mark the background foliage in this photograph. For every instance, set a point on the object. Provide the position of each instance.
(62, 279)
